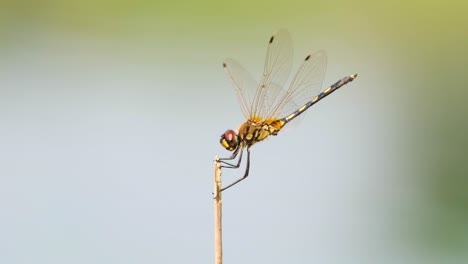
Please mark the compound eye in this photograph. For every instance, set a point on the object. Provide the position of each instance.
(229, 135)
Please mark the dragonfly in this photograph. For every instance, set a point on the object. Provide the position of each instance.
(269, 105)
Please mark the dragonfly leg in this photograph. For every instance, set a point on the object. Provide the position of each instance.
(233, 156)
(246, 173)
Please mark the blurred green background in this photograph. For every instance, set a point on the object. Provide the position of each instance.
(111, 113)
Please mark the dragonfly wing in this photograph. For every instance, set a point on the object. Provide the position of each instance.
(277, 68)
(244, 84)
(304, 86)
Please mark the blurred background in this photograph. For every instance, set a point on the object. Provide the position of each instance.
(111, 112)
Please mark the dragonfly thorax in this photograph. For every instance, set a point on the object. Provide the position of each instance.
(254, 131)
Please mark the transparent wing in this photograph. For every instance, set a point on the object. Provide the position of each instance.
(278, 65)
(244, 84)
(304, 86)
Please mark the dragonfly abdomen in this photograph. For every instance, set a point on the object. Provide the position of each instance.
(320, 96)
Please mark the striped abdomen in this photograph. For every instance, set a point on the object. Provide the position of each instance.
(319, 97)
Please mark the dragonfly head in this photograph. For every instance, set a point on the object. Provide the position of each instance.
(229, 140)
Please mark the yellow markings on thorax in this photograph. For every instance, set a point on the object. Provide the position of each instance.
(278, 124)
(257, 129)
(263, 134)
(271, 120)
